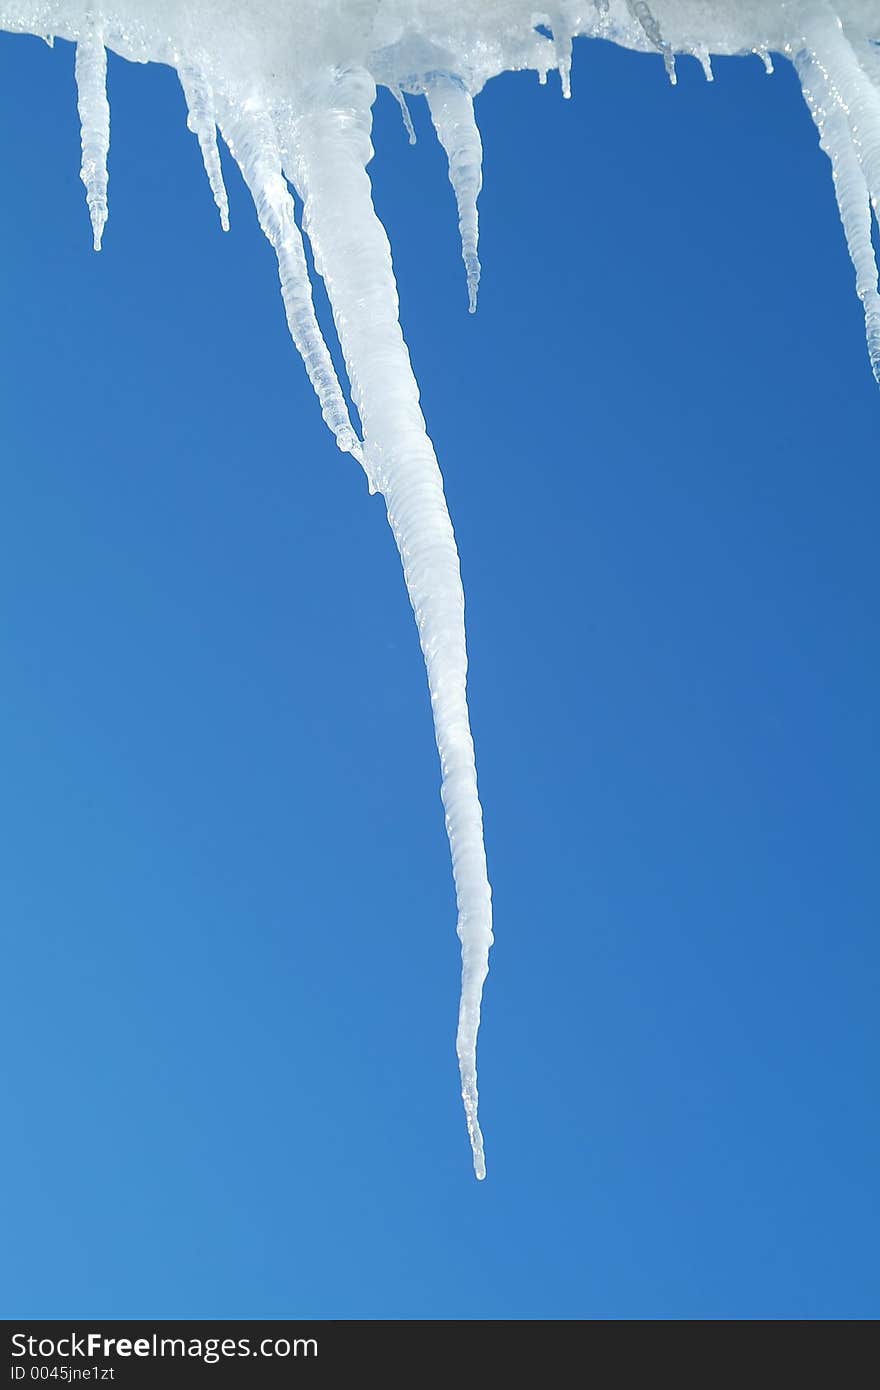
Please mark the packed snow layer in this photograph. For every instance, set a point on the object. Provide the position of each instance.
(290, 85)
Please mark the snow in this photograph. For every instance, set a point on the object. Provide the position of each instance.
(290, 84)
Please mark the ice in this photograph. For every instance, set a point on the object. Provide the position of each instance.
(291, 85)
(328, 167)
(202, 121)
(452, 111)
(90, 67)
(702, 53)
(646, 18)
(252, 137)
(404, 112)
(851, 190)
(765, 59)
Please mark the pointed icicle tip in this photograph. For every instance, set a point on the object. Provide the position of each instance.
(94, 116)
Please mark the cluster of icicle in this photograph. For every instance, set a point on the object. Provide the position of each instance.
(290, 85)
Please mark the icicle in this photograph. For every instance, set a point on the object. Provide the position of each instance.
(563, 63)
(851, 87)
(764, 55)
(452, 111)
(202, 122)
(404, 111)
(253, 143)
(702, 54)
(555, 27)
(641, 11)
(49, 39)
(852, 194)
(562, 45)
(94, 118)
(330, 154)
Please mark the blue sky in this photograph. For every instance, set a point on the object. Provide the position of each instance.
(227, 909)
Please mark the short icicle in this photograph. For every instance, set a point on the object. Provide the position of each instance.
(641, 11)
(452, 111)
(764, 55)
(90, 68)
(823, 36)
(329, 151)
(562, 32)
(704, 58)
(852, 194)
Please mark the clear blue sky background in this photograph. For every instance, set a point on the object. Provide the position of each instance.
(231, 973)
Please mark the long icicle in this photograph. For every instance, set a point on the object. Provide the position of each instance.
(252, 139)
(202, 121)
(852, 194)
(90, 68)
(329, 151)
(452, 111)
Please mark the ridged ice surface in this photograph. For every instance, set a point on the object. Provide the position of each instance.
(290, 85)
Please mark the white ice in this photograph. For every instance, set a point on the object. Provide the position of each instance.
(291, 84)
(90, 67)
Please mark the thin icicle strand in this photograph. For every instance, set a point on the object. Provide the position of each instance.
(704, 57)
(94, 118)
(250, 134)
(852, 194)
(562, 46)
(202, 121)
(764, 55)
(452, 111)
(404, 111)
(331, 150)
(641, 11)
